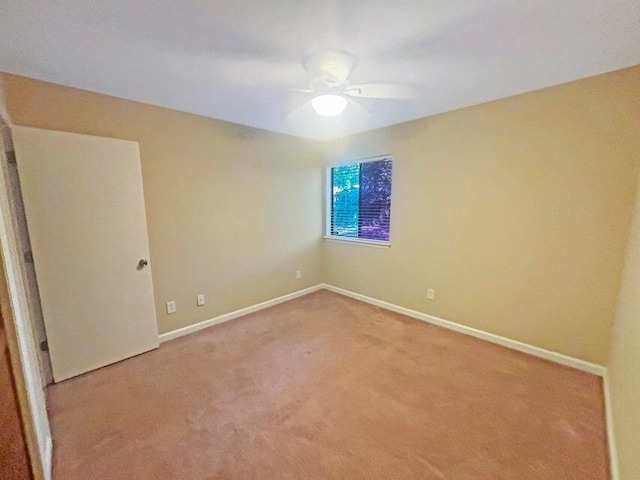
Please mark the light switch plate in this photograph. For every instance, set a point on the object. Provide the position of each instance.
(171, 306)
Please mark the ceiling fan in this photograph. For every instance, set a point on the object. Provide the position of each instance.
(329, 71)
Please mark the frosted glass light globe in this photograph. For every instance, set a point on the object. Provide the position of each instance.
(329, 105)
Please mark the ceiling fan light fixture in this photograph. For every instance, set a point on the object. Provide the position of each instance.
(329, 105)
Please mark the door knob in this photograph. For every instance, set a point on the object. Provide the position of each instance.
(143, 263)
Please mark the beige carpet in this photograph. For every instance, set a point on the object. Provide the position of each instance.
(326, 387)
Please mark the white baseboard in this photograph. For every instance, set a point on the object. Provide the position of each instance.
(47, 463)
(490, 337)
(165, 337)
(611, 439)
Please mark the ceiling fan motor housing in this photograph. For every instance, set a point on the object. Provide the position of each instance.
(328, 68)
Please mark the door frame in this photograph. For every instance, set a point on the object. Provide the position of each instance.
(20, 384)
(20, 340)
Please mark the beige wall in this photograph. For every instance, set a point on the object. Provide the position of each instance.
(232, 212)
(624, 365)
(516, 212)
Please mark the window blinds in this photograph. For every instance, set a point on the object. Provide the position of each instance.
(361, 200)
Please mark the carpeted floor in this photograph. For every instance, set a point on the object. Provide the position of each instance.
(326, 387)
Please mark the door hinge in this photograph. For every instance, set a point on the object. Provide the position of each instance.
(44, 346)
(28, 257)
(11, 157)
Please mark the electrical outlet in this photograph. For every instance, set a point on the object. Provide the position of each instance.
(298, 274)
(171, 307)
(431, 294)
(200, 300)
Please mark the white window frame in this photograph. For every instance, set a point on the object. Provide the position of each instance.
(327, 206)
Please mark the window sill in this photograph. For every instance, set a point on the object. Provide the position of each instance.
(359, 241)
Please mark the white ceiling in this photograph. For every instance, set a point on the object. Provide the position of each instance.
(237, 60)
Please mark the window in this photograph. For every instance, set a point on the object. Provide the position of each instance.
(359, 200)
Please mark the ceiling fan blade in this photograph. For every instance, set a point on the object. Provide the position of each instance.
(358, 104)
(388, 91)
(301, 90)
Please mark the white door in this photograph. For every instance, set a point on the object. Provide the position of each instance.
(87, 223)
